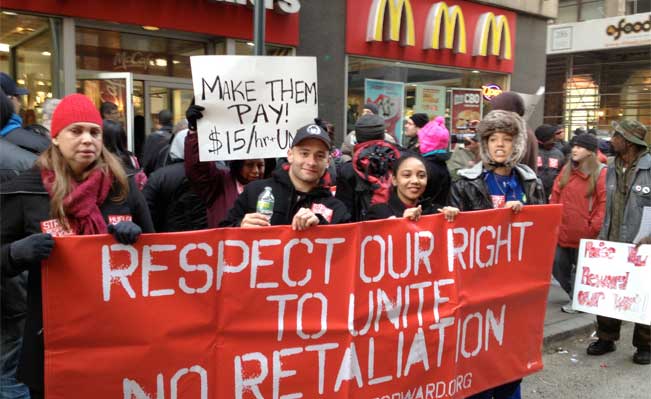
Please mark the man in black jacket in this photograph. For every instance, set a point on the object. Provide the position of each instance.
(156, 141)
(300, 188)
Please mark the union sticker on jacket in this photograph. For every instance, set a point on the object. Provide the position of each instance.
(323, 211)
(115, 219)
(55, 228)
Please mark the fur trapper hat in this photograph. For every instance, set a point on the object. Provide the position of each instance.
(505, 122)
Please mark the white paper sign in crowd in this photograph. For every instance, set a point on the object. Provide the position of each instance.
(254, 104)
(612, 279)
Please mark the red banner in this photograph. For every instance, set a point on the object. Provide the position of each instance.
(368, 310)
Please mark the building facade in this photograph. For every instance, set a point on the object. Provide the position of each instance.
(443, 58)
(599, 64)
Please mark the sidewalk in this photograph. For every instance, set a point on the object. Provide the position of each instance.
(560, 325)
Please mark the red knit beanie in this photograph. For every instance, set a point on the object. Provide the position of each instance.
(74, 108)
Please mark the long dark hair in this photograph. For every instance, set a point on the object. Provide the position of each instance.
(115, 140)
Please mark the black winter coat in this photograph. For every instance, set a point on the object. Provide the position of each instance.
(438, 179)
(395, 207)
(173, 205)
(13, 160)
(470, 192)
(154, 156)
(287, 201)
(550, 162)
(25, 204)
(28, 140)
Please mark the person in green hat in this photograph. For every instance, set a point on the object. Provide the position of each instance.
(628, 187)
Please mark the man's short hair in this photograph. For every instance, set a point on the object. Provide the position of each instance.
(106, 108)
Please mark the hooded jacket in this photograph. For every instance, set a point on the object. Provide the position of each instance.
(25, 204)
(582, 217)
(288, 201)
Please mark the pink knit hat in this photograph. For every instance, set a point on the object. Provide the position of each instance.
(433, 136)
(74, 108)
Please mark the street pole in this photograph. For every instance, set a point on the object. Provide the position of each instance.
(258, 27)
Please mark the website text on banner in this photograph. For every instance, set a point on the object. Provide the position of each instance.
(612, 279)
(254, 105)
(362, 310)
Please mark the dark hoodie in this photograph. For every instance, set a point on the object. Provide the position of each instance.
(288, 201)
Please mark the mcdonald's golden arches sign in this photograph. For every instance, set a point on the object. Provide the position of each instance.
(454, 33)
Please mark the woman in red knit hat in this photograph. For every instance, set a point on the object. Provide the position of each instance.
(76, 187)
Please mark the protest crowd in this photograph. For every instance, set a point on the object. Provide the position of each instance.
(79, 178)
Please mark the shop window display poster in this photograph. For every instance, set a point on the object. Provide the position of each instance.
(390, 99)
(430, 100)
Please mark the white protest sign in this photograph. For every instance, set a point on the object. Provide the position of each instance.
(254, 104)
(612, 279)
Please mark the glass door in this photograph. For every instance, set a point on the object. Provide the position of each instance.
(173, 96)
(112, 87)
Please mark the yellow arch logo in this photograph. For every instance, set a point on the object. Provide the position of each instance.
(454, 27)
(493, 36)
(399, 12)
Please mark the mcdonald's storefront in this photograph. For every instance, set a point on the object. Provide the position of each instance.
(422, 56)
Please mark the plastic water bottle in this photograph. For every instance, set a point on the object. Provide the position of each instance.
(265, 204)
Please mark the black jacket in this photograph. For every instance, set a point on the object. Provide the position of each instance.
(438, 178)
(470, 192)
(550, 162)
(395, 207)
(25, 204)
(287, 201)
(173, 205)
(28, 140)
(13, 161)
(153, 157)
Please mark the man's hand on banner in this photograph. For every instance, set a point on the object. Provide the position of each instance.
(31, 249)
(126, 233)
(304, 219)
(194, 113)
(255, 220)
(515, 206)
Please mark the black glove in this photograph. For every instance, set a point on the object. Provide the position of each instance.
(31, 249)
(193, 114)
(125, 233)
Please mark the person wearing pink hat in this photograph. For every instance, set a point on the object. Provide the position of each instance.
(434, 138)
(77, 187)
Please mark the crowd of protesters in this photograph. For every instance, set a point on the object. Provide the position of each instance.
(81, 178)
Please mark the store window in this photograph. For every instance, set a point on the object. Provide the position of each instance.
(26, 53)
(246, 48)
(113, 51)
(637, 6)
(592, 89)
(401, 89)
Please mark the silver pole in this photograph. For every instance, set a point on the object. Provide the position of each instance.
(258, 27)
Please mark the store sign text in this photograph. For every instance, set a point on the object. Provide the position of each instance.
(280, 6)
(490, 91)
(445, 27)
(628, 27)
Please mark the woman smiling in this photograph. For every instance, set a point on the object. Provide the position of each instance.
(409, 182)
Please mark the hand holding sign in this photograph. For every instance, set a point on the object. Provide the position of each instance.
(253, 105)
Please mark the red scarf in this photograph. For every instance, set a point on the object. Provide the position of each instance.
(82, 204)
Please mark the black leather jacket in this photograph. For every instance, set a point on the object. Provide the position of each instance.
(470, 192)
